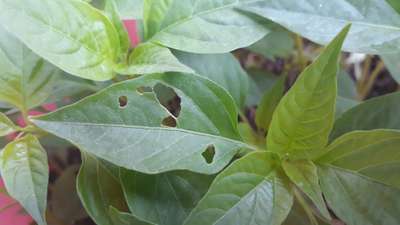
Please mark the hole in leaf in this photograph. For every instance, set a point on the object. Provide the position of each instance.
(123, 101)
(142, 90)
(168, 98)
(209, 154)
(169, 122)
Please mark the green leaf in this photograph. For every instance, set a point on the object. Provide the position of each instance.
(98, 189)
(304, 174)
(375, 29)
(6, 125)
(111, 10)
(26, 79)
(358, 200)
(346, 86)
(130, 9)
(385, 173)
(201, 27)
(361, 149)
(164, 199)
(298, 216)
(395, 4)
(70, 34)
(343, 105)
(304, 117)
(278, 43)
(149, 58)
(223, 69)
(268, 104)
(251, 136)
(259, 83)
(24, 169)
(392, 64)
(250, 191)
(377, 113)
(103, 125)
(121, 218)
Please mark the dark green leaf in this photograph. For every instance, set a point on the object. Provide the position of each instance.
(223, 69)
(120, 218)
(268, 104)
(378, 113)
(250, 191)
(70, 34)
(343, 105)
(259, 83)
(205, 26)
(358, 200)
(304, 117)
(98, 189)
(103, 125)
(278, 43)
(164, 199)
(24, 169)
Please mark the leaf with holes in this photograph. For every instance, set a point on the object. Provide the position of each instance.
(70, 34)
(26, 80)
(103, 125)
(250, 191)
(375, 30)
(223, 69)
(205, 26)
(304, 117)
(98, 189)
(163, 199)
(24, 169)
(150, 58)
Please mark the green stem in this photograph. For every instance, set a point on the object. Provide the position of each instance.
(306, 207)
(300, 54)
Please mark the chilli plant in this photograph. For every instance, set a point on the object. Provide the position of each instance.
(163, 131)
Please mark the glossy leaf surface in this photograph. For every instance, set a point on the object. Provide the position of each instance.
(376, 25)
(304, 117)
(250, 191)
(103, 125)
(24, 169)
(201, 26)
(70, 34)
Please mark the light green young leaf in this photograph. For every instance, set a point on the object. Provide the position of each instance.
(111, 10)
(25, 172)
(358, 200)
(358, 150)
(304, 117)
(98, 189)
(26, 79)
(121, 218)
(70, 34)
(205, 26)
(250, 136)
(163, 199)
(253, 181)
(304, 174)
(103, 125)
(149, 58)
(223, 69)
(6, 125)
(268, 104)
(377, 113)
(376, 25)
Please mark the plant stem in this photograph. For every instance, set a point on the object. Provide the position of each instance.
(300, 54)
(306, 207)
